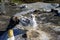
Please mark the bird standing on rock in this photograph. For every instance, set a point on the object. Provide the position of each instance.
(13, 22)
(33, 21)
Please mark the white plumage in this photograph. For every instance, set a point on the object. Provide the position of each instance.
(33, 21)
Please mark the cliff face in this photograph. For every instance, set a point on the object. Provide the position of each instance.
(49, 1)
(30, 1)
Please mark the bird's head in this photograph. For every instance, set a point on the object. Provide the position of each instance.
(15, 18)
(33, 15)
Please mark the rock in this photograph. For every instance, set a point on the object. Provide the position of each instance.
(38, 35)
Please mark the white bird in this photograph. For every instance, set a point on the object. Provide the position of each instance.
(33, 21)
